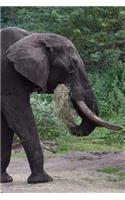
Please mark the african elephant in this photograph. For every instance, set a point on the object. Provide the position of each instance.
(39, 62)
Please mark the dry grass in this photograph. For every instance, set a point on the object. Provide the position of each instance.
(63, 106)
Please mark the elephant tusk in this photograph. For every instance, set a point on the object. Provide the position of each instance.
(93, 117)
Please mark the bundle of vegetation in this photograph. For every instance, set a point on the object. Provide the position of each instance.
(63, 106)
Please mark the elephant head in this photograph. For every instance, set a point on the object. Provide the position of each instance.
(47, 60)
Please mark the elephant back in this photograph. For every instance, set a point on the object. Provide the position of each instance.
(11, 35)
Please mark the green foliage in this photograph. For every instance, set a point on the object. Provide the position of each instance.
(48, 125)
(110, 170)
(109, 87)
(117, 171)
(92, 29)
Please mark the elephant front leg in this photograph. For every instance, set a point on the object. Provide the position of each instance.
(36, 161)
(20, 118)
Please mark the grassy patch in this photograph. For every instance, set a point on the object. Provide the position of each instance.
(20, 154)
(75, 144)
(100, 140)
(121, 175)
(113, 170)
(109, 170)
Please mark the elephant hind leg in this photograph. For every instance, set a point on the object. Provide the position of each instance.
(6, 145)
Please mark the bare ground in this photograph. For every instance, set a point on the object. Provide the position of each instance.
(73, 172)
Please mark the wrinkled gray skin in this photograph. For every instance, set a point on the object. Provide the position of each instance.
(37, 62)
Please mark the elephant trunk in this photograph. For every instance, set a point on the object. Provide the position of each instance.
(85, 104)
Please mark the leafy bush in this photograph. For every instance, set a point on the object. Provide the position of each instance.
(109, 87)
(48, 124)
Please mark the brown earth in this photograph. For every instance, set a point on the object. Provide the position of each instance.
(75, 172)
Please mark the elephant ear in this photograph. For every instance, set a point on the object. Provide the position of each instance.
(30, 59)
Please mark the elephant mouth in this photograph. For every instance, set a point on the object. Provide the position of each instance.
(89, 121)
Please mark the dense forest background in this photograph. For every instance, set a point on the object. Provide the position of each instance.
(99, 35)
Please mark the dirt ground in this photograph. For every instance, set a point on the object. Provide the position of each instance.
(75, 172)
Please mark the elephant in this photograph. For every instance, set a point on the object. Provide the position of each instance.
(38, 62)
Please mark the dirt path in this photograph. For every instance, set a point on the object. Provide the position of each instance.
(72, 172)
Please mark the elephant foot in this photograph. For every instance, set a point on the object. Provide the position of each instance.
(5, 178)
(39, 178)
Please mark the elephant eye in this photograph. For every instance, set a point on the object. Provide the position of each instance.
(51, 49)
